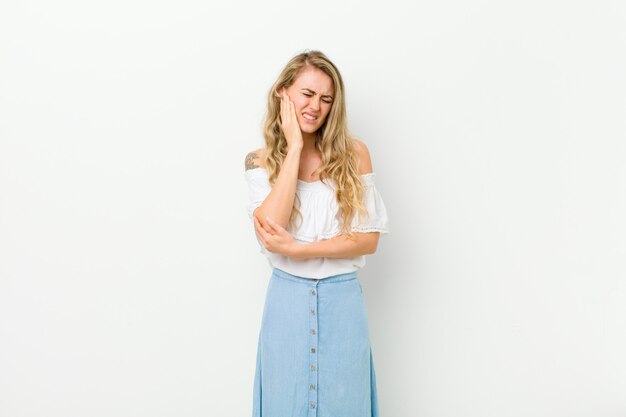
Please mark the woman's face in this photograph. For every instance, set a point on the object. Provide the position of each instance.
(312, 94)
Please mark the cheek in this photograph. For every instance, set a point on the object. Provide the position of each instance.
(326, 110)
(299, 104)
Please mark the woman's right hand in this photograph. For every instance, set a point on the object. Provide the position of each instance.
(289, 122)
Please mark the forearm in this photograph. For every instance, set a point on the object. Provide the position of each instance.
(279, 202)
(339, 247)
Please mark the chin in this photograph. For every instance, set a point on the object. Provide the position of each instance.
(309, 129)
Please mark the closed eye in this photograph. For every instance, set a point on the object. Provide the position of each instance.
(311, 95)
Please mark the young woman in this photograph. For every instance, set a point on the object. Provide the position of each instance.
(317, 213)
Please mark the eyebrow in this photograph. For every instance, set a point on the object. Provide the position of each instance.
(325, 95)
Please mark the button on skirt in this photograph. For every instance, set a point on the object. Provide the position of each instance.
(314, 357)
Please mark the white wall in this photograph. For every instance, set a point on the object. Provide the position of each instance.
(131, 282)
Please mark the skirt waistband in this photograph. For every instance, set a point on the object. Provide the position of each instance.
(348, 276)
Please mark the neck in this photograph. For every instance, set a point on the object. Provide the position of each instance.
(308, 140)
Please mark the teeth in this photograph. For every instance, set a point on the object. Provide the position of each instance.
(306, 116)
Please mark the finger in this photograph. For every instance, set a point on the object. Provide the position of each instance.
(258, 235)
(263, 226)
(260, 231)
(264, 236)
(256, 227)
(277, 227)
(271, 223)
(292, 109)
(285, 110)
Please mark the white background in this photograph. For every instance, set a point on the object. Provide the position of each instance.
(131, 282)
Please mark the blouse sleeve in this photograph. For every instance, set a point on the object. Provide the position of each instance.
(258, 188)
(378, 220)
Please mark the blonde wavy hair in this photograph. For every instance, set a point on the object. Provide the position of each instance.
(340, 161)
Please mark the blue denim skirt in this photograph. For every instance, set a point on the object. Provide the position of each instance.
(314, 357)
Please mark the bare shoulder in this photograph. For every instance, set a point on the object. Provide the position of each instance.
(255, 159)
(365, 161)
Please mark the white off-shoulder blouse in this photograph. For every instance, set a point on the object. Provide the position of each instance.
(318, 206)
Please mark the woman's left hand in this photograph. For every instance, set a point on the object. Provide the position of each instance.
(279, 241)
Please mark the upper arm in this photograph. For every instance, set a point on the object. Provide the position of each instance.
(365, 162)
(365, 167)
(254, 159)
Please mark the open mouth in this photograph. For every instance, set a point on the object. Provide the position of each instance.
(310, 117)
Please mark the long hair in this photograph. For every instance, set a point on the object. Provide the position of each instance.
(337, 146)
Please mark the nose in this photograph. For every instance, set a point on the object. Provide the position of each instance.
(314, 103)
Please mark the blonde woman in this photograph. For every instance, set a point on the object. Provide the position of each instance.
(316, 213)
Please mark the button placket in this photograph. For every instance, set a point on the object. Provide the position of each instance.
(313, 341)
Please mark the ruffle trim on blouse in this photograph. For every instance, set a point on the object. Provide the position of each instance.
(324, 236)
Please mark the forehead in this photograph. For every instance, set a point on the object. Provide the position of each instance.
(315, 79)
